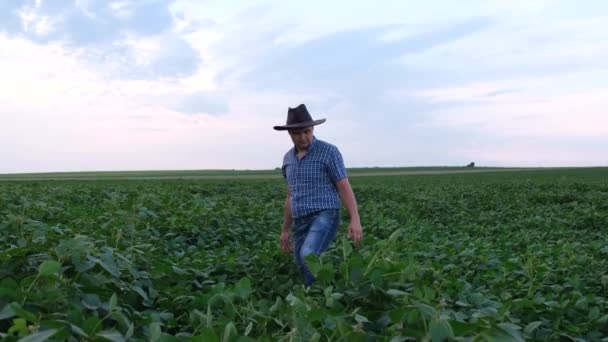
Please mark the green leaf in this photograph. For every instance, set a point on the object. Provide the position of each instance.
(278, 303)
(594, 313)
(7, 311)
(209, 316)
(500, 334)
(111, 335)
(398, 339)
(121, 318)
(356, 274)
(461, 303)
(347, 248)
(427, 310)
(325, 274)
(394, 292)
(155, 331)
(461, 328)
(76, 329)
(140, 291)
(312, 260)
(130, 331)
(112, 304)
(395, 235)
(48, 268)
(248, 329)
(90, 301)
(361, 319)
(39, 336)
(243, 287)
(440, 330)
(106, 261)
(296, 303)
(83, 265)
(19, 326)
(207, 335)
(532, 326)
(21, 312)
(91, 325)
(506, 332)
(396, 315)
(230, 332)
(178, 270)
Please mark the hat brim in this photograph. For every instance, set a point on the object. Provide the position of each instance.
(299, 125)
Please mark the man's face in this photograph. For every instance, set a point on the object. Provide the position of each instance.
(301, 137)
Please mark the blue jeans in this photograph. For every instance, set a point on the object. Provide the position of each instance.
(312, 234)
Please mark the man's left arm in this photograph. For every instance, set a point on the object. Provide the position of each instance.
(355, 231)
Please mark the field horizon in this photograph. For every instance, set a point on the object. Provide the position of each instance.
(267, 173)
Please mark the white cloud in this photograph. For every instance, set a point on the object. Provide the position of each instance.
(146, 50)
(122, 9)
(512, 87)
(51, 102)
(83, 6)
(36, 22)
(560, 106)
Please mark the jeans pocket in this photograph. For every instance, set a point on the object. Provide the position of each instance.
(322, 231)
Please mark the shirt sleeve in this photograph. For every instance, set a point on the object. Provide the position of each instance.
(337, 170)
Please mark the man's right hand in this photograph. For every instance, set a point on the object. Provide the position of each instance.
(286, 244)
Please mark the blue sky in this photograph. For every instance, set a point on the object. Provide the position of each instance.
(184, 84)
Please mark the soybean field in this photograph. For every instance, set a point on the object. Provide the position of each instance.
(488, 256)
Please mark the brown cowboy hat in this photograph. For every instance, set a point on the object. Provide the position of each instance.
(298, 118)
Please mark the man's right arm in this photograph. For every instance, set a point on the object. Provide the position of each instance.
(287, 212)
(286, 244)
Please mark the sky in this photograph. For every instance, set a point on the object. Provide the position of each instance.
(95, 85)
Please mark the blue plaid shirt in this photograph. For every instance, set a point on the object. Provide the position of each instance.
(312, 180)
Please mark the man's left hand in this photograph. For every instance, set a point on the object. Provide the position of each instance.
(355, 232)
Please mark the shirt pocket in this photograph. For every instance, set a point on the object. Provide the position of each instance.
(311, 172)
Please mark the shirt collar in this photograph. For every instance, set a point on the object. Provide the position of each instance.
(312, 144)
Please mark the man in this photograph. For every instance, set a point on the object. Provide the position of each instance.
(316, 178)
